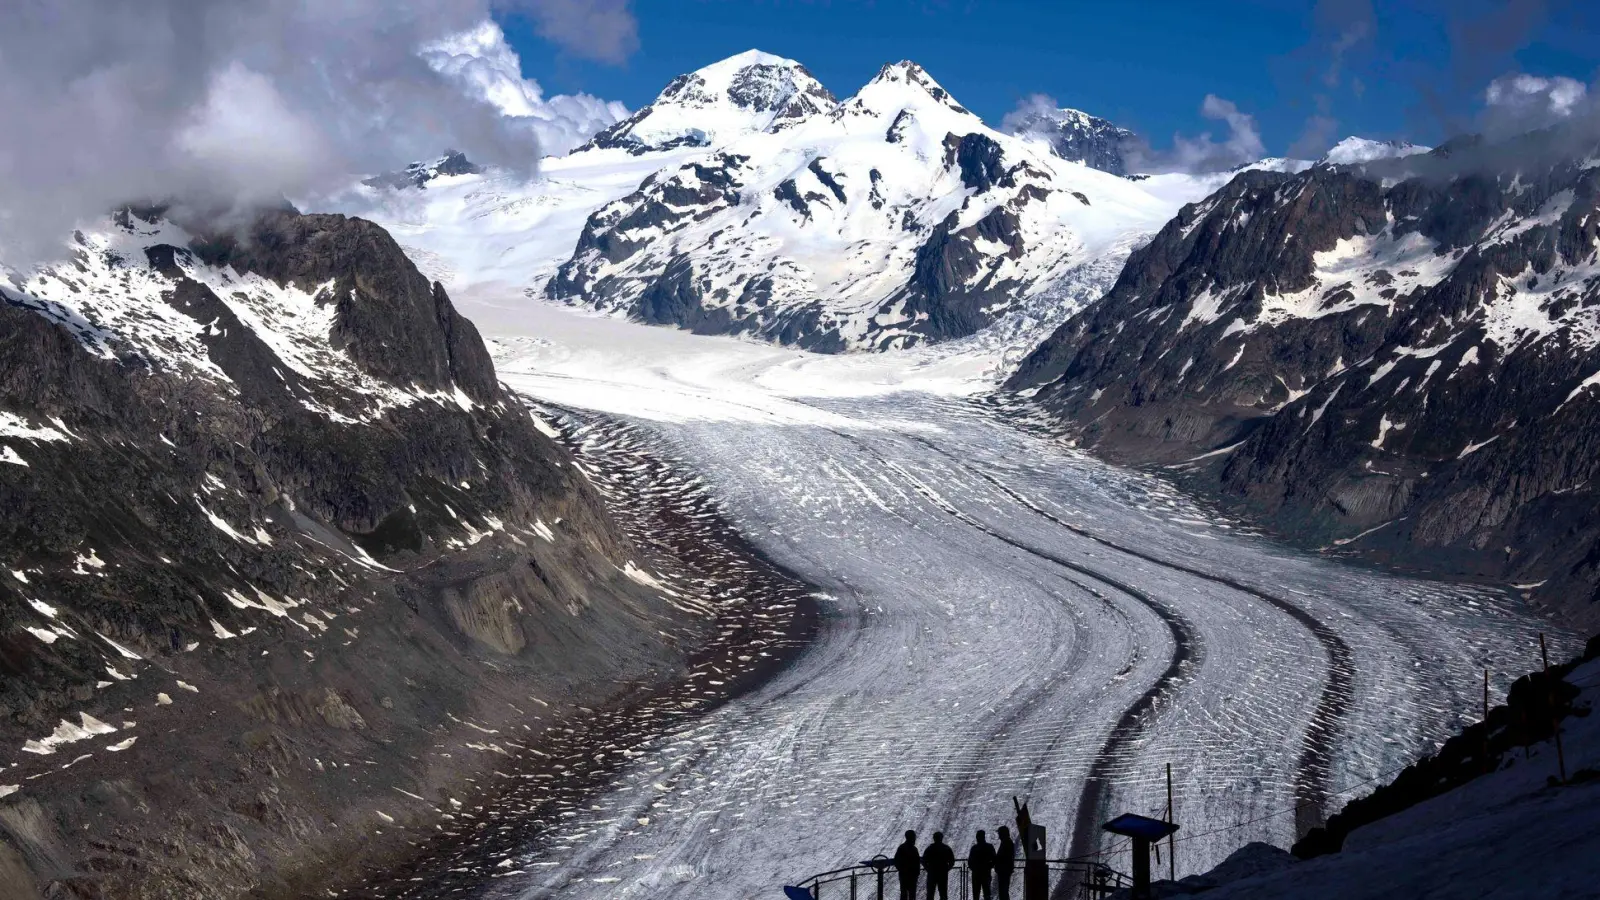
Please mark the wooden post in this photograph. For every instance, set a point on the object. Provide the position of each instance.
(1172, 859)
(1555, 720)
(1488, 766)
(1141, 869)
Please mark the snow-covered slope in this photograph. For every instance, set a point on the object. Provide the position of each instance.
(747, 200)
(123, 293)
(496, 233)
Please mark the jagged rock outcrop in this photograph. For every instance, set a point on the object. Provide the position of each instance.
(418, 174)
(1397, 359)
(1077, 136)
(274, 536)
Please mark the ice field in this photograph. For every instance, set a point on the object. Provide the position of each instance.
(1002, 616)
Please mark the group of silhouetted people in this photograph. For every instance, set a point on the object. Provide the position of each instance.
(990, 866)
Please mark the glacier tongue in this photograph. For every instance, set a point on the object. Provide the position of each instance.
(996, 605)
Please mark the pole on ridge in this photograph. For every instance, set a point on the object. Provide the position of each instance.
(1555, 720)
(1172, 859)
(1488, 765)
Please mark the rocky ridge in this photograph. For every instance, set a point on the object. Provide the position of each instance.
(418, 174)
(1396, 359)
(284, 569)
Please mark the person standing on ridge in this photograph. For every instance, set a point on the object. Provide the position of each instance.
(908, 862)
(1005, 861)
(980, 859)
(938, 859)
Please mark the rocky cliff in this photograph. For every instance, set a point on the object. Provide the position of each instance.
(1397, 359)
(284, 569)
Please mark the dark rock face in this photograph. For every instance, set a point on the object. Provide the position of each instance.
(1402, 366)
(418, 174)
(978, 157)
(392, 322)
(284, 575)
(1091, 140)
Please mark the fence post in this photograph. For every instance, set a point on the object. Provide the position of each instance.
(1555, 720)
(852, 886)
(1488, 764)
(1172, 859)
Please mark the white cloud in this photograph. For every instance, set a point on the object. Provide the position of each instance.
(1558, 96)
(228, 102)
(487, 68)
(245, 136)
(1520, 102)
(1027, 109)
(1204, 153)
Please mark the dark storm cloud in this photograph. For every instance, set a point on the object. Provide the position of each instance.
(235, 102)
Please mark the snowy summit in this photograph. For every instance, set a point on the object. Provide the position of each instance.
(1353, 150)
(744, 94)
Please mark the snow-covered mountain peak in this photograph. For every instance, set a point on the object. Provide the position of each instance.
(418, 174)
(1073, 135)
(748, 93)
(747, 200)
(899, 86)
(1353, 150)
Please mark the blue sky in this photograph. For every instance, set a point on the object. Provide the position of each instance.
(1309, 73)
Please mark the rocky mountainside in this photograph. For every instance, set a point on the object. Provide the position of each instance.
(748, 200)
(1397, 358)
(282, 566)
(1077, 136)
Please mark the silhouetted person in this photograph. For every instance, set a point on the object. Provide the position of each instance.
(980, 859)
(1005, 862)
(908, 862)
(938, 860)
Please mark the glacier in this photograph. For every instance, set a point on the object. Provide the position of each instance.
(1001, 615)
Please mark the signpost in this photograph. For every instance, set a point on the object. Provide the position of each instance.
(1144, 831)
(1035, 870)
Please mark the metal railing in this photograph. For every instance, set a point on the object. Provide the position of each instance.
(1070, 879)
